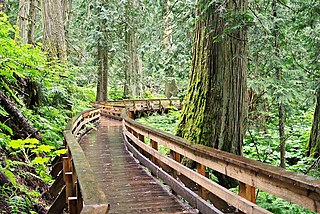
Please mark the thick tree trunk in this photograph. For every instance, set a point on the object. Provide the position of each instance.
(215, 109)
(22, 128)
(54, 42)
(314, 140)
(133, 69)
(102, 86)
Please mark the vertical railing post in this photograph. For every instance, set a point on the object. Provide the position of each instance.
(154, 145)
(201, 169)
(79, 196)
(72, 204)
(248, 192)
(177, 157)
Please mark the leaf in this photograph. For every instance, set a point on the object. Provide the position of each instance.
(6, 128)
(10, 175)
(45, 148)
(32, 141)
(17, 144)
(40, 160)
(60, 152)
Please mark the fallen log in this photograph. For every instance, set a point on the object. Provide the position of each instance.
(21, 124)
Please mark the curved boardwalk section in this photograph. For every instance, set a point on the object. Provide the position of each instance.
(127, 185)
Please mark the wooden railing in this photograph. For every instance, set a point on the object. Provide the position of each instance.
(251, 175)
(80, 191)
(138, 107)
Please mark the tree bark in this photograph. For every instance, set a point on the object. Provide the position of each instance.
(23, 129)
(54, 42)
(102, 86)
(133, 69)
(314, 140)
(215, 109)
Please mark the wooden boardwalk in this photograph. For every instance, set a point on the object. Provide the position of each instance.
(127, 185)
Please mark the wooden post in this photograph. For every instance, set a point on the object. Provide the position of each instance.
(248, 192)
(72, 204)
(66, 167)
(177, 157)
(69, 185)
(154, 145)
(74, 182)
(201, 169)
(141, 137)
(79, 196)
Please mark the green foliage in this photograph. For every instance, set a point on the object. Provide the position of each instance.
(164, 122)
(278, 205)
(26, 161)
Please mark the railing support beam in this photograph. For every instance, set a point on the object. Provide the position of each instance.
(248, 192)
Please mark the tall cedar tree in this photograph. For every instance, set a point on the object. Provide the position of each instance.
(215, 109)
(102, 55)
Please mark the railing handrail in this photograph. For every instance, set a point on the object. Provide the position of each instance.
(258, 167)
(92, 196)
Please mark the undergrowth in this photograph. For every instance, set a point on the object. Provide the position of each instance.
(26, 162)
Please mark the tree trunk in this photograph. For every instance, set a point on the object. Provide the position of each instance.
(133, 69)
(66, 10)
(54, 42)
(314, 140)
(32, 21)
(21, 126)
(102, 85)
(22, 20)
(215, 109)
(170, 86)
(26, 20)
(278, 77)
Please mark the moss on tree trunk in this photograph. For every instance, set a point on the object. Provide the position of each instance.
(215, 107)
